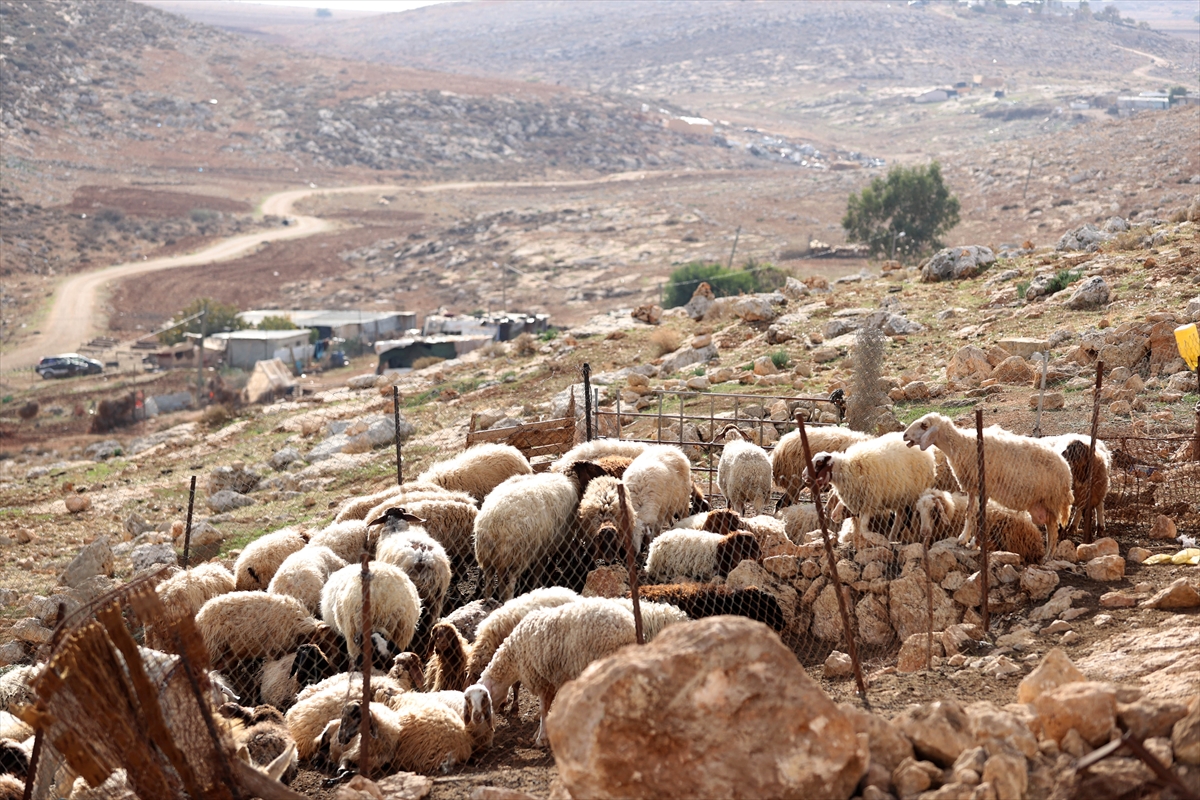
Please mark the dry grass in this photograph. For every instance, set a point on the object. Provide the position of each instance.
(426, 361)
(665, 340)
(215, 416)
(525, 344)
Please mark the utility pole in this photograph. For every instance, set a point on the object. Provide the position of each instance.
(200, 363)
(733, 249)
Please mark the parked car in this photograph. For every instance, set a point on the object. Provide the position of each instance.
(68, 365)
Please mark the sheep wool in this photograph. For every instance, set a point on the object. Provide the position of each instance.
(876, 477)
(185, 592)
(302, 575)
(395, 605)
(480, 726)
(787, 459)
(1022, 474)
(699, 556)
(744, 474)
(261, 558)
(1087, 490)
(600, 515)
(451, 522)
(348, 540)
(596, 450)
(241, 625)
(423, 736)
(478, 470)
(524, 521)
(552, 646)
(500, 623)
(282, 679)
(655, 616)
(322, 703)
(711, 599)
(659, 482)
(467, 619)
(425, 562)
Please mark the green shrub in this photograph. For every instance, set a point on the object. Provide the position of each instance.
(724, 282)
(780, 358)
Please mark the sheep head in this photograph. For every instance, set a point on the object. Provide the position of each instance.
(408, 664)
(699, 502)
(396, 519)
(585, 472)
(924, 432)
(722, 521)
(822, 469)
(477, 710)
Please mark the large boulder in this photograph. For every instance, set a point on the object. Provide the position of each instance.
(969, 363)
(702, 298)
(95, 559)
(939, 731)
(1091, 294)
(1085, 237)
(687, 356)
(712, 708)
(955, 263)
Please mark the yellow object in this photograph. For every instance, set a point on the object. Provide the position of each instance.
(1189, 556)
(1158, 558)
(1187, 338)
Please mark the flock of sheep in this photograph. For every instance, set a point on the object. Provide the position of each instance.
(285, 626)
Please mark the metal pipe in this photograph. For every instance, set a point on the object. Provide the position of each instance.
(364, 758)
(1087, 520)
(187, 531)
(982, 522)
(396, 419)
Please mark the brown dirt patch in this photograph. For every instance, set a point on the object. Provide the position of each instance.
(150, 202)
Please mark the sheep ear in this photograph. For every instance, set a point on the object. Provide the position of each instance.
(927, 437)
(243, 753)
(282, 761)
(407, 517)
(377, 521)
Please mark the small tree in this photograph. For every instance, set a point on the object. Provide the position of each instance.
(724, 282)
(904, 214)
(275, 322)
(220, 317)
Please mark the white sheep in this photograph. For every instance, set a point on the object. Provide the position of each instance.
(360, 507)
(451, 522)
(405, 498)
(395, 606)
(348, 540)
(1021, 473)
(876, 477)
(552, 646)
(260, 559)
(241, 625)
(655, 616)
(744, 473)
(302, 575)
(500, 623)
(16, 687)
(478, 470)
(322, 703)
(659, 482)
(595, 450)
(424, 560)
(522, 523)
(424, 736)
(185, 593)
(698, 556)
(787, 459)
(475, 708)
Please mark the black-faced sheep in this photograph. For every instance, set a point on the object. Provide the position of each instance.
(523, 522)
(744, 472)
(699, 556)
(478, 470)
(395, 607)
(876, 477)
(261, 558)
(1022, 474)
(320, 705)
(282, 679)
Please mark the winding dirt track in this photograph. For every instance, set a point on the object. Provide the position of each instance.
(73, 317)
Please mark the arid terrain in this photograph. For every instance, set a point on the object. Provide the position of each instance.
(515, 156)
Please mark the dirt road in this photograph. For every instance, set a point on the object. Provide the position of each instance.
(74, 318)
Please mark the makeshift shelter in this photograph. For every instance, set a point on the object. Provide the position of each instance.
(269, 380)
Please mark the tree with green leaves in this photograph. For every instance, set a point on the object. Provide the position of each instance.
(219, 317)
(276, 322)
(904, 214)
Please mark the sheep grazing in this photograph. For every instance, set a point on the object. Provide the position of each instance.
(262, 739)
(876, 477)
(184, 593)
(478, 470)
(424, 736)
(699, 556)
(787, 459)
(1088, 494)
(744, 472)
(348, 540)
(552, 646)
(522, 523)
(261, 558)
(395, 608)
(1022, 474)
(282, 679)
(242, 625)
(500, 623)
(711, 600)
(302, 575)
(660, 487)
(424, 560)
(600, 517)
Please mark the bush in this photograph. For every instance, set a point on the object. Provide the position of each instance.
(780, 358)
(219, 317)
(202, 215)
(724, 282)
(665, 340)
(525, 345)
(426, 361)
(215, 416)
(277, 323)
(914, 202)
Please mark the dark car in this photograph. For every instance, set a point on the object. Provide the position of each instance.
(67, 365)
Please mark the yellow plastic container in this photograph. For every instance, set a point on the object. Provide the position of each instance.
(1187, 338)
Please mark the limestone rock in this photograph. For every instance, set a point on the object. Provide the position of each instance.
(1101, 547)
(998, 730)
(651, 314)
(701, 300)
(939, 731)
(956, 263)
(687, 356)
(889, 746)
(1054, 670)
(1163, 528)
(908, 608)
(1008, 774)
(912, 777)
(838, 665)
(874, 629)
(1091, 294)
(95, 559)
(1106, 568)
(281, 458)
(712, 708)
(1179, 595)
(1146, 718)
(1013, 370)
(912, 656)
(32, 631)
(239, 479)
(1038, 583)
(1113, 778)
(77, 503)
(228, 500)
(149, 555)
(1185, 737)
(1090, 707)
(1052, 401)
(968, 363)
(827, 620)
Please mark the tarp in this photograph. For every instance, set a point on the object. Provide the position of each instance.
(270, 379)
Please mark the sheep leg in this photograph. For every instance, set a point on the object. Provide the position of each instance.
(544, 702)
(1073, 521)
(894, 532)
(971, 523)
(1100, 517)
(1051, 538)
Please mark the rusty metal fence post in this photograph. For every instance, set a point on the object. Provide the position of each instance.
(364, 755)
(837, 581)
(187, 531)
(982, 524)
(587, 401)
(396, 419)
(1090, 476)
(630, 561)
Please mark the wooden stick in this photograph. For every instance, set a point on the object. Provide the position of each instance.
(187, 531)
(1087, 519)
(983, 539)
(364, 758)
(837, 581)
